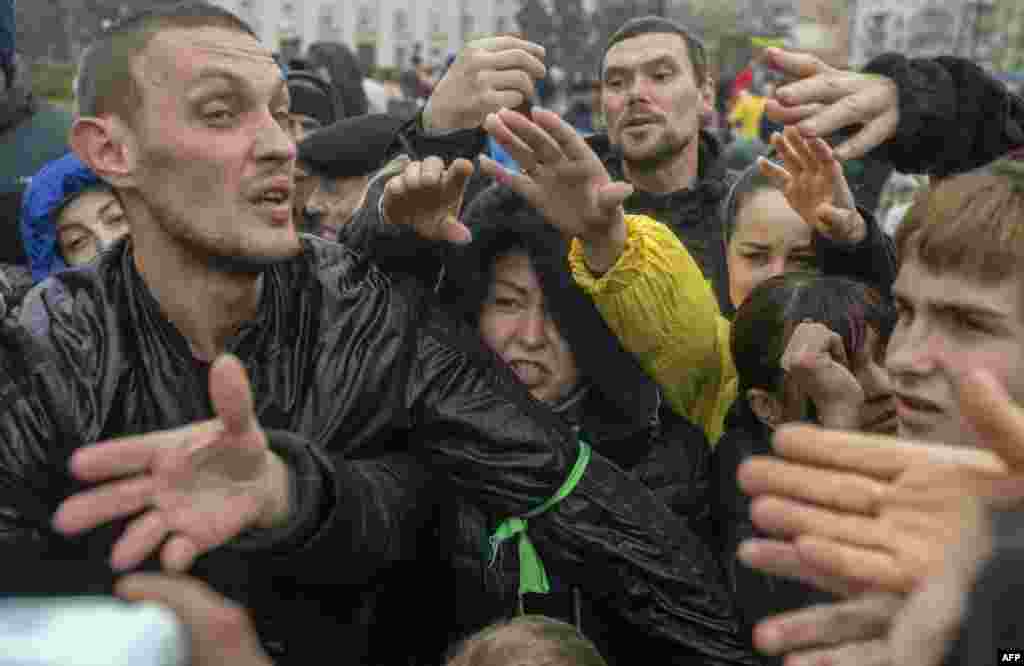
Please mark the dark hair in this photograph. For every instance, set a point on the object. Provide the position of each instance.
(504, 222)
(749, 183)
(775, 307)
(346, 75)
(643, 25)
(528, 639)
(106, 83)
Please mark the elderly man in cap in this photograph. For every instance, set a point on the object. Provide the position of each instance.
(336, 163)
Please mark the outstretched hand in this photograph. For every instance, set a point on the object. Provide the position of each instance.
(813, 183)
(564, 179)
(823, 100)
(873, 512)
(188, 490)
(426, 197)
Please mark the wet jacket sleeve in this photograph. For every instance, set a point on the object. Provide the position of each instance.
(480, 430)
(872, 261)
(395, 249)
(954, 116)
(658, 303)
(399, 249)
(757, 595)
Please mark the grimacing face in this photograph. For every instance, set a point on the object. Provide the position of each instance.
(652, 102)
(88, 225)
(213, 160)
(949, 324)
(516, 325)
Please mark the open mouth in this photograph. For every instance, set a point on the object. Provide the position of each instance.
(635, 123)
(528, 372)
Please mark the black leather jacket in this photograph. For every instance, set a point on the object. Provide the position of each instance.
(390, 408)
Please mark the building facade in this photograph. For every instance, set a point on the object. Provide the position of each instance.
(385, 33)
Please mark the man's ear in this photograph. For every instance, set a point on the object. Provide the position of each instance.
(105, 145)
(707, 96)
(766, 407)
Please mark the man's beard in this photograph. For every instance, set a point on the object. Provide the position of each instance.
(212, 250)
(665, 152)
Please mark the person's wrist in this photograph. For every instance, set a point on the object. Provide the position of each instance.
(278, 504)
(601, 251)
(436, 118)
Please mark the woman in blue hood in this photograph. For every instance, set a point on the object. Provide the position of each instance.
(68, 217)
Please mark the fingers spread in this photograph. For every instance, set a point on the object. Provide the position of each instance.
(862, 653)
(799, 145)
(788, 518)
(141, 538)
(869, 567)
(790, 115)
(825, 88)
(877, 456)
(793, 64)
(179, 553)
(100, 505)
(569, 140)
(613, 195)
(543, 145)
(780, 558)
(517, 181)
(794, 164)
(517, 148)
(764, 475)
(862, 619)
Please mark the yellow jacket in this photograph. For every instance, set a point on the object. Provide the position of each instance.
(658, 303)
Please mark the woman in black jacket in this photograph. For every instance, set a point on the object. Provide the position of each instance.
(514, 284)
(806, 348)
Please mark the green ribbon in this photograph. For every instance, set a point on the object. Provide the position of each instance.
(532, 576)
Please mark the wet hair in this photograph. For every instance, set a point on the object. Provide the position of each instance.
(503, 223)
(106, 83)
(528, 639)
(750, 182)
(644, 25)
(765, 321)
(346, 75)
(971, 224)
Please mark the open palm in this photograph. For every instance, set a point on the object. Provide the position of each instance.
(187, 490)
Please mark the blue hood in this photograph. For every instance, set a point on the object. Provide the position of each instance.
(49, 189)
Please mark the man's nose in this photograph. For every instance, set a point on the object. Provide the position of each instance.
(274, 142)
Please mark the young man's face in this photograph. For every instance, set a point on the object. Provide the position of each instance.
(651, 100)
(949, 324)
(214, 161)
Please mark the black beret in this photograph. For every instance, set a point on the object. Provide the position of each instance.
(351, 147)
